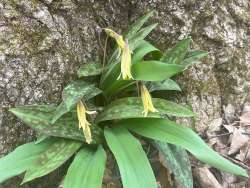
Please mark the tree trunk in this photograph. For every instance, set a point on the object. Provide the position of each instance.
(43, 42)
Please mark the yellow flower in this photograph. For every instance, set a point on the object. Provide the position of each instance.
(123, 48)
(126, 63)
(116, 36)
(147, 101)
(83, 123)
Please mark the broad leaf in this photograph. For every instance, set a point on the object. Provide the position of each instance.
(117, 86)
(87, 169)
(167, 131)
(132, 107)
(193, 57)
(138, 24)
(143, 49)
(132, 161)
(72, 93)
(90, 69)
(176, 160)
(154, 70)
(39, 118)
(20, 159)
(57, 153)
(177, 53)
(165, 85)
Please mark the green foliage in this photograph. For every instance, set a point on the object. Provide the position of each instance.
(133, 164)
(165, 85)
(90, 174)
(90, 69)
(146, 70)
(176, 159)
(132, 107)
(168, 131)
(53, 157)
(72, 93)
(39, 118)
(119, 110)
(20, 159)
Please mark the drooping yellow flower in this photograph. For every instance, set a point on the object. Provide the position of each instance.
(123, 48)
(126, 63)
(83, 123)
(116, 36)
(147, 101)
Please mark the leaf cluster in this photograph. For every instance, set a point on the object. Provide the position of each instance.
(119, 118)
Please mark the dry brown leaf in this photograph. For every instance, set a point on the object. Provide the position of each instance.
(245, 119)
(238, 141)
(205, 178)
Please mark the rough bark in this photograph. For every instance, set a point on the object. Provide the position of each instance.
(43, 42)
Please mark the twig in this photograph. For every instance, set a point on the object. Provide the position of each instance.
(219, 135)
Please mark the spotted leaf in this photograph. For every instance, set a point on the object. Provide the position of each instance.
(57, 153)
(132, 107)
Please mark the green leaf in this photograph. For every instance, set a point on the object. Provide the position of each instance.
(176, 160)
(20, 159)
(193, 57)
(167, 131)
(177, 53)
(72, 93)
(39, 118)
(138, 24)
(57, 153)
(90, 69)
(87, 169)
(140, 35)
(154, 70)
(143, 49)
(132, 161)
(132, 107)
(118, 86)
(165, 85)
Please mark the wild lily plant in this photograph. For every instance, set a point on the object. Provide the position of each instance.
(111, 113)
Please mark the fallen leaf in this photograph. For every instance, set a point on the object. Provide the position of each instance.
(205, 178)
(238, 141)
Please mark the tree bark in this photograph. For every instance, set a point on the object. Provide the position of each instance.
(43, 42)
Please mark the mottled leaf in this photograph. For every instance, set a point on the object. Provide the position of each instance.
(177, 53)
(154, 70)
(168, 131)
(165, 85)
(39, 118)
(20, 159)
(87, 169)
(132, 107)
(90, 69)
(72, 93)
(138, 24)
(58, 152)
(176, 160)
(132, 161)
(193, 58)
